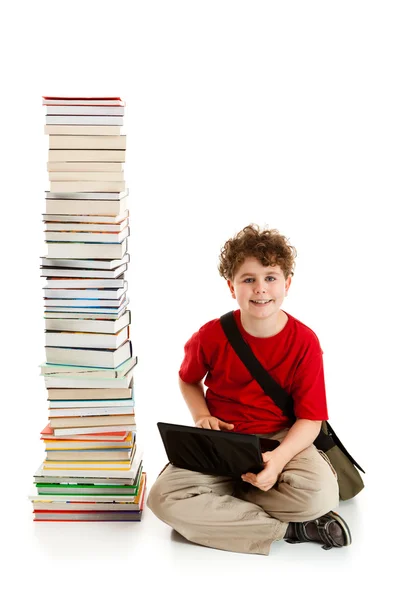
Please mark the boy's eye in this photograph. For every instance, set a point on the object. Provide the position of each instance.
(250, 279)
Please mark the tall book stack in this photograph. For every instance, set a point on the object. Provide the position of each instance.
(93, 469)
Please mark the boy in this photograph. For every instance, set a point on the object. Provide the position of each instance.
(293, 496)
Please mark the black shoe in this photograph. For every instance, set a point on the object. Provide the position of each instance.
(330, 529)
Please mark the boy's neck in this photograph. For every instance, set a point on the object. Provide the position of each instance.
(264, 328)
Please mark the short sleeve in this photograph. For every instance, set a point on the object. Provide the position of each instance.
(308, 390)
(194, 366)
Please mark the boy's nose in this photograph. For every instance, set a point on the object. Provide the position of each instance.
(260, 287)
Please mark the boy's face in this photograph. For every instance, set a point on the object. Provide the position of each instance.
(259, 290)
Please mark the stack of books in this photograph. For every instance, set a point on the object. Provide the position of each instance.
(93, 468)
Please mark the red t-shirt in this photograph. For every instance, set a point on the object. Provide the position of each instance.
(293, 357)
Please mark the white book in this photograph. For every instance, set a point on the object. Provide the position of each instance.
(88, 372)
(87, 186)
(76, 100)
(102, 142)
(89, 219)
(82, 303)
(89, 312)
(85, 207)
(65, 431)
(87, 274)
(82, 129)
(87, 195)
(127, 478)
(87, 382)
(85, 110)
(85, 264)
(85, 250)
(89, 358)
(90, 404)
(87, 236)
(63, 339)
(89, 325)
(91, 411)
(86, 155)
(87, 175)
(97, 167)
(76, 283)
(82, 227)
(84, 120)
(104, 394)
(104, 314)
(91, 293)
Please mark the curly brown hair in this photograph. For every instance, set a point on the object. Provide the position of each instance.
(268, 246)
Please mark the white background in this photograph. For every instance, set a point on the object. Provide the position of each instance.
(284, 114)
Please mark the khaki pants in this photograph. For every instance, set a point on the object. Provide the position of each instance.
(219, 512)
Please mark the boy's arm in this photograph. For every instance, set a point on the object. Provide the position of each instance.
(300, 436)
(193, 394)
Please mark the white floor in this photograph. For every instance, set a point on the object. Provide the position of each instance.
(103, 560)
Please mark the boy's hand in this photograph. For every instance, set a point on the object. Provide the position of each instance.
(266, 478)
(209, 422)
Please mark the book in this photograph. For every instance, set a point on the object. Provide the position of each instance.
(62, 381)
(85, 394)
(82, 129)
(95, 411)
(84, 120)
(77, 167)
(93, 142)
(108, 436)
(86, 250)
(88, 274)
(65, 431)
(62, 263)
(91, 293)
(73, 444)
(109, 208)
(92, 358)
(121, 465)
(78, 109)
(87, 195)
(89, 325)
(77, 303)
(86, 155)
(87, 175)
(95, 372)
(101, 476)
(87, 186)
(86, 312)
(64, 339)
(86, 516)
(105, 314)
(82, 283)
(82, 227)
(87, 236)
(42, 476)
(89, 404)
(86, 505)
(86, 490)
(81, 101)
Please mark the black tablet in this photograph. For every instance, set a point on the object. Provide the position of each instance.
(213, 452)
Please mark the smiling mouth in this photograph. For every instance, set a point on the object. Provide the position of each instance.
(260, 302)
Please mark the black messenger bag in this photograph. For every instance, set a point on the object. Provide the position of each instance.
(349, 479)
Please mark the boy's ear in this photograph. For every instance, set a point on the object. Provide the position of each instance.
(231, 288)
(288, 281)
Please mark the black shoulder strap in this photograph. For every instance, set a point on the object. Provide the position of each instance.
(281, 398)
